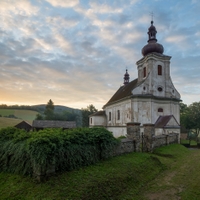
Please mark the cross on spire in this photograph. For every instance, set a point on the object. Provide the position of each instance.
(151, 16)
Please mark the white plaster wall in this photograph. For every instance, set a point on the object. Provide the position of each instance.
(97, 121)
(153, 80)
(125, 113)
(141, 110)
(117, 131)
(159, 131)
(145, 110)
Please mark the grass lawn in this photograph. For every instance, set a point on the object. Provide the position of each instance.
(191, 142)
(170, 172)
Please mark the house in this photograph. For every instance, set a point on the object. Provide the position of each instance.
(41, 124)
(151, 98)
(24, 125)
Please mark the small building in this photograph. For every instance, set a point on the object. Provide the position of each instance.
(24, 125)
(166, 125)
(41, 124)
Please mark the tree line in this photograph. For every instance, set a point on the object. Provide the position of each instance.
(190, 118)
(82, 118)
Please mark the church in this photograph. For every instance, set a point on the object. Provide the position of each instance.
(149, 99)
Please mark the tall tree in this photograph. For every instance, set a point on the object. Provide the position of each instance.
(49, 110)
(85, 114)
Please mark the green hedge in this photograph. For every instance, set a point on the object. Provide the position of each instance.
(21, 151)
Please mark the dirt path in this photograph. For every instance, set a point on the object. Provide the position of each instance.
(180, 181)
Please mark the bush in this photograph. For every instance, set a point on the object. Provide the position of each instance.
(22, 152)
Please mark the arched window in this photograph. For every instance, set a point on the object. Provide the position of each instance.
(118, 114)
(144, 72)
(91, 120)
(109, 116)
(160, 110)
(159, 70)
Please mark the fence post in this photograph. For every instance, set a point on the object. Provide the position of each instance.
(149, 133)
(133, 133)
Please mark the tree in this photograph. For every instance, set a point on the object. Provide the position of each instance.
(85, 114)
(190, 118)
(49, 110)
(39, 117)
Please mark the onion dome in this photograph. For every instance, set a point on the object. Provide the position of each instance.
(152, 45)
(126, 78)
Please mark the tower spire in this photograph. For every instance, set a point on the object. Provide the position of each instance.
(126, 78)
(152, 45)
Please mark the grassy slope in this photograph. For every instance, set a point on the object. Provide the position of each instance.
(6, 122)
(27, 115)
(122, 177)
(22, 114)
(180, 181)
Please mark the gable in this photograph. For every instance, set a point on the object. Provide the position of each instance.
(172, 122)
(166, 121)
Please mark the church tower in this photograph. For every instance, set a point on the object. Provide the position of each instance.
(154, 80)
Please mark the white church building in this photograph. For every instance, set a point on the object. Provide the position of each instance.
(149, 99)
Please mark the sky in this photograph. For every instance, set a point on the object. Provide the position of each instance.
(76, 52)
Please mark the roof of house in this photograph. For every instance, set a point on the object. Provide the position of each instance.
(99, 113)
(123, 92)
(53, 124)
(163, 120)
(22, 123)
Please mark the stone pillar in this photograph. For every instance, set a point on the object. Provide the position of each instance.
(148, 137)
(41, 173)
(133, 133)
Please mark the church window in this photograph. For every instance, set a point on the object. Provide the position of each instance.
(118, 114)
(160, 89)
(144, 72)
(159, 70)
(91, 120)
(144, 88)
(109, 116)
(160, 110)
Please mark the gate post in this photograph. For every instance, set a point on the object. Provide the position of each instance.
(133, 133)
(149, 133)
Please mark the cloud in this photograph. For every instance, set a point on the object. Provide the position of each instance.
(76, 52)
(61, 3)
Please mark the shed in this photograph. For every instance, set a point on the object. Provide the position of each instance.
(24, 125)
(41, 124)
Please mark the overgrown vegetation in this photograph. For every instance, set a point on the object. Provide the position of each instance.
(22, 152)
(124, 177)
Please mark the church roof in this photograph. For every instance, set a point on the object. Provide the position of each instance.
(162, 121)
(123, 92)
(99, 113)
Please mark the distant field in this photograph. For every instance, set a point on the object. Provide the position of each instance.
(26, 115)
(6, 122)
(21, 114)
